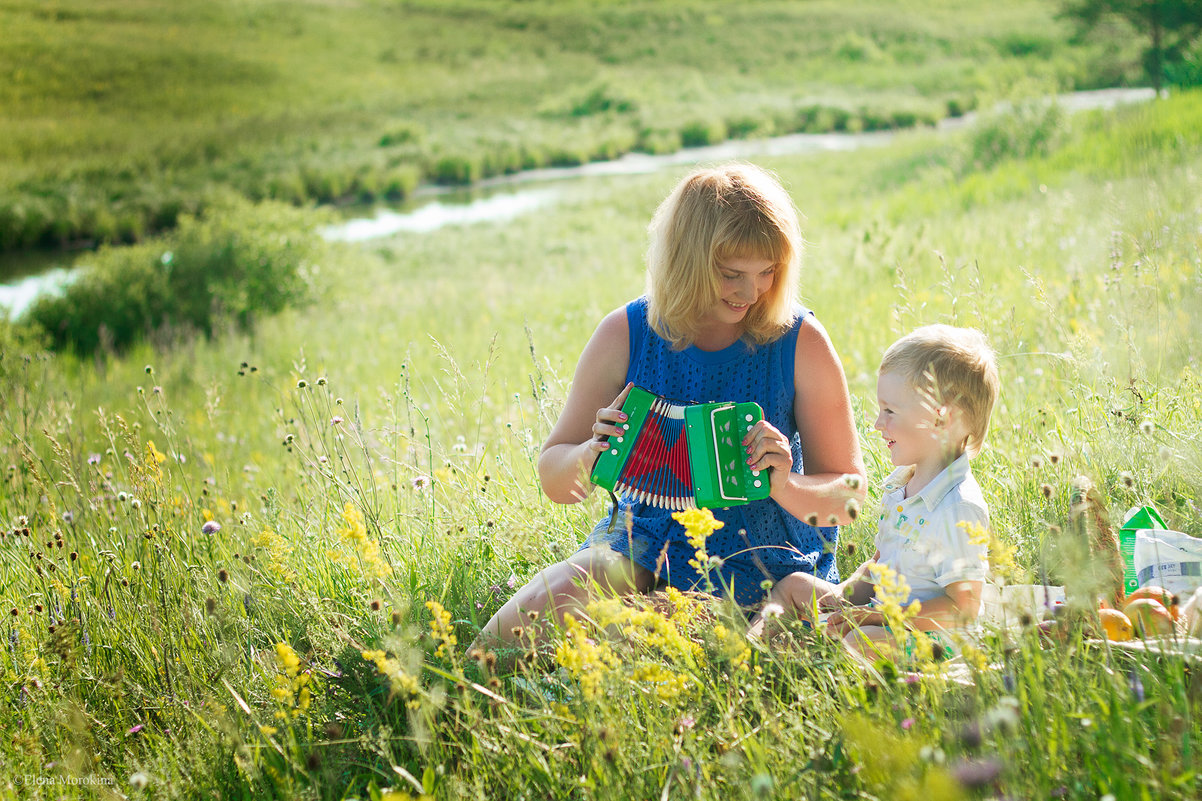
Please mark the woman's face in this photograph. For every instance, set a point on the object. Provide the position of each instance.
(743, 280)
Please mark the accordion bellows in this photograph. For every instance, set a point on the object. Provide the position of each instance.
(676, 456)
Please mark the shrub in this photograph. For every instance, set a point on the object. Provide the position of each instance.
(230, 265)
(326, 184)
(1187, 71)
(569, 156)
(658, 140)
(747, 127)
(600, 99)
(404, 134)
(703, 132)
(400, 181)
(857, 48)
(1030, 128)
(456, 170)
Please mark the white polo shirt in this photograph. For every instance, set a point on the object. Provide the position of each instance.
(921, 537)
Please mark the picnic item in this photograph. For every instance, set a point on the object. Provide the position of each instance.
(1168, 559)
(1138, 518)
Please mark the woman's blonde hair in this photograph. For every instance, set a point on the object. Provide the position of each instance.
(716, 214)
(949, 365)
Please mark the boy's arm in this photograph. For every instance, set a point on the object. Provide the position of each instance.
(959, 605)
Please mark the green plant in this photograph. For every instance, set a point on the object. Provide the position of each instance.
(231, 265)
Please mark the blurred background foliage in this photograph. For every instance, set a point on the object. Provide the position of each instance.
(121, 115)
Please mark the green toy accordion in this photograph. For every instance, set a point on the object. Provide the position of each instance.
(676, 456)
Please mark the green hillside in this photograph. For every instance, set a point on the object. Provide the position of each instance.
(119, 115)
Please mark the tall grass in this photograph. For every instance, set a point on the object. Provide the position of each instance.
(369, 465)
(119, 117)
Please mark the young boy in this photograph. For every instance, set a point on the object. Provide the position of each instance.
(936, 389)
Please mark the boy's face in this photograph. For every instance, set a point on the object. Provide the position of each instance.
(914, 431)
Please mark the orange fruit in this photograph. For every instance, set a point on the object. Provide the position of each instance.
(1158, 594)
(1149, 617)
(1118, 627)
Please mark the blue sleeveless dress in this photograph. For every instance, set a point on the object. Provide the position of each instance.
(760, 540)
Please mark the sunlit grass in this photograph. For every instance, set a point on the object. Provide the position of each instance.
(251, 517)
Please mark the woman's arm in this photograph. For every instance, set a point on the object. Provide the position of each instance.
(593, 403)
(829, 442)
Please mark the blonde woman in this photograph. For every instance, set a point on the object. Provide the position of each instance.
(720, 321)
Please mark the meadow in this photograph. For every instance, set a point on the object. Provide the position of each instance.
(247, 564)
(121, 115)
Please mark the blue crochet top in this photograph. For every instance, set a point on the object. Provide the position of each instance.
(759, 541)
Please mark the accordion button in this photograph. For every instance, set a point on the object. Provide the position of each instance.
(759, 483)
(614, 451)
(621, 439)
(626, 426)
(748, 418)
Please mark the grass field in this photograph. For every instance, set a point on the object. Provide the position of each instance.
(119, 115)
(248, 566)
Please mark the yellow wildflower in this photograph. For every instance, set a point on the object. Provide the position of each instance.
(292, 688)
(733, 646)
(354, 534)
(892, 590)
(154, 456)
(1000, 555)
(400, 682)
(645, 627)
(663, 682)
(589, 662)
(278, 551)
(698, 525)
(440, 628)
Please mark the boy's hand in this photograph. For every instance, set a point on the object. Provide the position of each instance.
(850, 618)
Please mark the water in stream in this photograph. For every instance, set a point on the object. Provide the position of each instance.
(504, 197)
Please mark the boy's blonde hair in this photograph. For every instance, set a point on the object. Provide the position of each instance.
(716, 214)
(950, 366)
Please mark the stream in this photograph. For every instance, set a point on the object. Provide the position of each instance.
(505, 197)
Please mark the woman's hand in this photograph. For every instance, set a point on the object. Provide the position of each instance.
(766, 447)
(609, 424)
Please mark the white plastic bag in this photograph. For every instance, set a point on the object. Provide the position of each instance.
(1168, 559)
